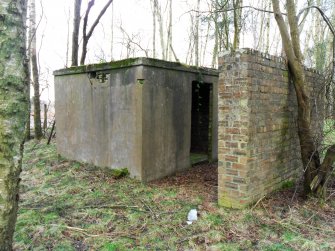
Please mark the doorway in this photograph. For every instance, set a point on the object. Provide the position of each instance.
(201, 122)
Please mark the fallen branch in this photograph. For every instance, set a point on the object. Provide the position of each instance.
(137, 208)
(254, 206)
(84, 232)
(149, 208)
(52, 130)
(189, 238)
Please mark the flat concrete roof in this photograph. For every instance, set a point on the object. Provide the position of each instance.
(131, 62)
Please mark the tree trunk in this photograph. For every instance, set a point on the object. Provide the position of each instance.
(28, 134)
(112, 33)
(267, 42)
(160, 28)
(75, 33)
(45, 120)
(168, 52)
(196, 35)
(237, 23)
(67, 39)
(153, 28)
(216, 38)
(13, 112)
(315, 173)
(34, 71)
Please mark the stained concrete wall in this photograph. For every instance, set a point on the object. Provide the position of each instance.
(139, 118)
(258, 141)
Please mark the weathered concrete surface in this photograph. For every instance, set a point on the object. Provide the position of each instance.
(139, 118)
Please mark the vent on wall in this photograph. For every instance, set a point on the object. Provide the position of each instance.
(101, 77)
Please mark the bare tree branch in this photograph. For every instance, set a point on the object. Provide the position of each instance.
(87, 36)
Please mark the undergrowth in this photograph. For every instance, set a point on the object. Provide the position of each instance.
(65, 205)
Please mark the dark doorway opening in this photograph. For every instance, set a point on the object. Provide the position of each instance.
(201, 122)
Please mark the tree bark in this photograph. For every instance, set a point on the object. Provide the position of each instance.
(13, 112)
(75, 33)
(160, 28)
(216, 36)
(67, 39)
(168, 52)
(45, 120)
(28, 134)
(153, 28)
(237, 23)
(196, 35)
(34, 72)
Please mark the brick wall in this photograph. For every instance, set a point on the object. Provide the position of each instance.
(258, 142)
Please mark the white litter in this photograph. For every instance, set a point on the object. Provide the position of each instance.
(192, 216)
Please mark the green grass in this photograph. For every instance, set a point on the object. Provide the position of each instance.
(66, 205)
(198, 157)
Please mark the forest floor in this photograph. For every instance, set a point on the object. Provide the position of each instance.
(65, 205)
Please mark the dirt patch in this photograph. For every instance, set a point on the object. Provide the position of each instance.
(199, 180)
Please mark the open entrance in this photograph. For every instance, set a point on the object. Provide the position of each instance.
(201, 122)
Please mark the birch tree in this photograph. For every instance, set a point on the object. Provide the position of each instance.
(153, 9)
(196, 34)
(237, 17)
(158, 12)
(35, 71)
(13, 112)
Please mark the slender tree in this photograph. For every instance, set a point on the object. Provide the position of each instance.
(13, 112)
(237, 4)
(75, 33)
(29, 36)
(153, 8)
(168, 52)
(196, 34)
(35, 71)
(160, 27)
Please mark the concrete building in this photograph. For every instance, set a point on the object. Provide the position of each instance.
(142, 114)
(152, 116)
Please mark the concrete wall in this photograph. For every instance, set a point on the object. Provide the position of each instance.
(258, 143)
(139, 118)
(100, 123)
(167, 97)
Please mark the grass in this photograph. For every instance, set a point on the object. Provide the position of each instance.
(198, 157)
(66, 205)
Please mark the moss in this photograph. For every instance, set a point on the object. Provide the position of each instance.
(132, 62)
(96, 67)
(287, 184)
(123, 63)
(230, 203)
(285, 74)
(119, 173)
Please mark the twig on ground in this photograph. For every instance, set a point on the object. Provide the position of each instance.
(265, 209)
(254, 206)
(151, 211)
(84, 232)
(136, 208)
(330, 195)
(189, 238)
